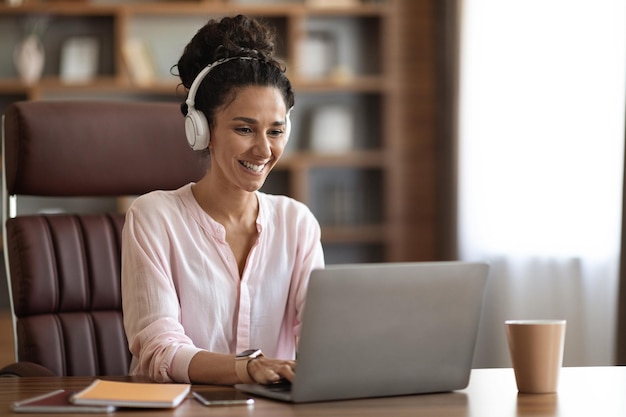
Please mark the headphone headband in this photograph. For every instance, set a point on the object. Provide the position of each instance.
(195, 85)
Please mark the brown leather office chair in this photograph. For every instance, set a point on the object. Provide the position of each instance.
(64, 269)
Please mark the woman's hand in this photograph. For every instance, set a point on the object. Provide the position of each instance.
(267, 371)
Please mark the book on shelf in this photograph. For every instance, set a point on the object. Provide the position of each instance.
(139, 62)
(132, 394)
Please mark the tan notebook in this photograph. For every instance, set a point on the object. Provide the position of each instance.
(132, 394)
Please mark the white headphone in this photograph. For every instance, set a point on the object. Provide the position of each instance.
(196, 124)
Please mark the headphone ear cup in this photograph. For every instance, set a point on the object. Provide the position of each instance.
(197, 130)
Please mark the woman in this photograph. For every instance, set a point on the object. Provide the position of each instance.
(216, 267)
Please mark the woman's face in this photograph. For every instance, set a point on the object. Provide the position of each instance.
(248, 137)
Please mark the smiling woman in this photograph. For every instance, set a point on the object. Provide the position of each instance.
(218, 267)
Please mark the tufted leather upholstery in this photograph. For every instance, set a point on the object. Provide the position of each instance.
(64, 270)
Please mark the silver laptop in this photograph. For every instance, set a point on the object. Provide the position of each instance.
(373, 330)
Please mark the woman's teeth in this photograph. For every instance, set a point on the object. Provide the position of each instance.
(255, 168)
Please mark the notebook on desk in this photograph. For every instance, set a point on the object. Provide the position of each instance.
(373, 330)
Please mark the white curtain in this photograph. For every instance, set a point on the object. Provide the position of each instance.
(541, 134)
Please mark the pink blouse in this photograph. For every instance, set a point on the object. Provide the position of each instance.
(181, 289)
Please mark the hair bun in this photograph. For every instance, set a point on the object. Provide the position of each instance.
(242, 35)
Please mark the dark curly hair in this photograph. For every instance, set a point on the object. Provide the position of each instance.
(238, 36)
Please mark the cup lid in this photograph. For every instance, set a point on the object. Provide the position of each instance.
(534, 322)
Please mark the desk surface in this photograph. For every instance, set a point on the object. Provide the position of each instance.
(590, 391)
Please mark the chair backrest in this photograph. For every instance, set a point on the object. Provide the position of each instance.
(64, 269)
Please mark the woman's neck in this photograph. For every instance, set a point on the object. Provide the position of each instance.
(226, 205)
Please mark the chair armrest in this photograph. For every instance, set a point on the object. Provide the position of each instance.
(23, 369)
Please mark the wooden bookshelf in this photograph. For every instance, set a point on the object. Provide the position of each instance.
(390, 84)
